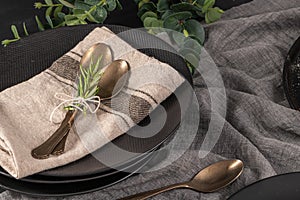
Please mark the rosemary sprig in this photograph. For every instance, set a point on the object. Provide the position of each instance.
(88, 81)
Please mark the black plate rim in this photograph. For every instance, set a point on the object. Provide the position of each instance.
(51, 193)
(113, 171)
(263, 180)
(287, 64)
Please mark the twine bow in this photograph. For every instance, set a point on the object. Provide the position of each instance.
(79, 103)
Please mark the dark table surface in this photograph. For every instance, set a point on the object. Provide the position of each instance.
(19, 11)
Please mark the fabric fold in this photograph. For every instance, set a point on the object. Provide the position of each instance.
(25, 108)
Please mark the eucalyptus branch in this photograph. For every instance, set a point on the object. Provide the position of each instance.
(60, 13)
(16, 34)
(182, 17)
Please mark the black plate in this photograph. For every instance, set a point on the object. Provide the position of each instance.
(53, 188)
(37, 52)
(280, 187)
(291, 76)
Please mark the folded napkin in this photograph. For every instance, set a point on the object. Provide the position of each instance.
(25, 108)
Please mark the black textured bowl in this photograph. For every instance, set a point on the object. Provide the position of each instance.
(291, 76)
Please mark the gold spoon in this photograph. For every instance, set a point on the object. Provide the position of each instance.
(93, 54)
(111, 83)
(209, 179)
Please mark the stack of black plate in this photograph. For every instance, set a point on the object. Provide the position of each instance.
(33, 54)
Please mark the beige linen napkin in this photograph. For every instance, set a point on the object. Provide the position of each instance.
(25, 108)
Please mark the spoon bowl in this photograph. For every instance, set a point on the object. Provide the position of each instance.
(217, 175)
(114, 79)
(209, 179)
(94, 52)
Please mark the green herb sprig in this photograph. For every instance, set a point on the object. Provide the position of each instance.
(88, 81)
(69, 13)
(75, 12)
(16, 34)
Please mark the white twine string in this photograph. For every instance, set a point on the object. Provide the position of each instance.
(78, 103)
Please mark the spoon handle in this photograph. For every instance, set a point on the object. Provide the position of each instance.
(56, 142)
(145, 195)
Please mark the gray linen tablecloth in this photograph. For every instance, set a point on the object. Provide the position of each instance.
(249, 46)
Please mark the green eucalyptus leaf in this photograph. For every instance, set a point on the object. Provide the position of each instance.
(70, 17)
(191, 43)
(153, 25)
(200, 2)
(48, 18)
(141, 2)
(81, 5)
(192, 59)
(167, 14)
(91, 18)
(61, 15)
(25, 29)
(79, 11)
(66, 3)
(82, 21)
(148, 22)
(185, 51)
(15, 32)
(100, 14)
(111, 5)
(178, 38)
(184, 6)
(73, 22)
(39, 23)
(57, 10)
(157, 23)
(213, 15)
(208, 4)
(156, 30)
(162, 5)
(48, 11)
(175, 21)
(148, 14)
(91, 2)
(81, 16)
(49, 2)
(149, 6)
(195, 30)
(119, 5)
(146, 7)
